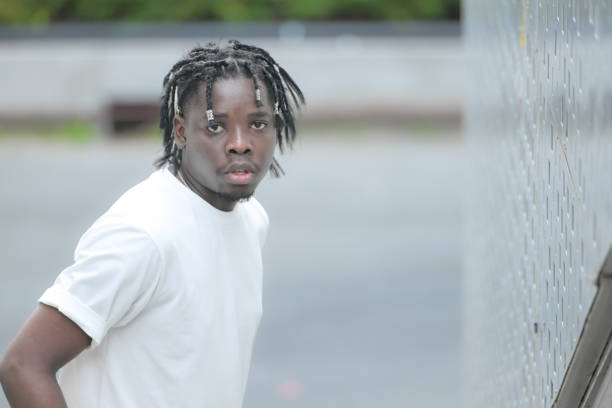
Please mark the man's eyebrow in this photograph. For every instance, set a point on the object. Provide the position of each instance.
(259, 114)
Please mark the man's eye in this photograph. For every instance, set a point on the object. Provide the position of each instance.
(258, 125)
(215, 128)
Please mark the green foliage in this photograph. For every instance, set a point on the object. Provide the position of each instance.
(78, 131)
(45, 11)
(372, 9)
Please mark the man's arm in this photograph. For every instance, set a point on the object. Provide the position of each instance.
(46, 342)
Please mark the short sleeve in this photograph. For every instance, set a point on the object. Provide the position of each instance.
(116, 269)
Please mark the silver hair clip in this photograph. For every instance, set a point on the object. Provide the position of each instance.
(176, 107)
(209, 115)
(258, 94)
(276, 112)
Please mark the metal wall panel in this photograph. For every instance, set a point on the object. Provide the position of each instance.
(539, 126)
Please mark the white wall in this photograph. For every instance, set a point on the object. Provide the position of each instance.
(344, 74)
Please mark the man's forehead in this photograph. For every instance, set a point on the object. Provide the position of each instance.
(227, 89)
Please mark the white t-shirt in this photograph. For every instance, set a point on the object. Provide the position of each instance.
(169, 289)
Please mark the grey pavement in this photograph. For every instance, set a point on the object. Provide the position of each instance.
(361, 269)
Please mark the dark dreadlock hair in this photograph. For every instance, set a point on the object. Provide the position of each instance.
(204, 65)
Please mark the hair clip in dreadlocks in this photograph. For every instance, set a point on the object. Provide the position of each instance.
(258, 101)
(211, 118)
(276, 111)
(169, 104)
(176, 106)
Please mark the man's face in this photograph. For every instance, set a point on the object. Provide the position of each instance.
(225, 163)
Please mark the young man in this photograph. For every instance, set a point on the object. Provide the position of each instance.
(161, 306)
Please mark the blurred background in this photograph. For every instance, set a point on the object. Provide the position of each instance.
(363, 261)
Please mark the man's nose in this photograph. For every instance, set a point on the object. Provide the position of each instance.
(238, 141)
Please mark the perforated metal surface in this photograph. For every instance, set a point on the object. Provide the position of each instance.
(539, 125)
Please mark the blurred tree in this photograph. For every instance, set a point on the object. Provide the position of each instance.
(45, 11)
(372, 9)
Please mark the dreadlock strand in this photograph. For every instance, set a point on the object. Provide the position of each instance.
(247, 67)
(287, 86)
(285, 110)
(254, 50)
(288, 82)
(295, 91)
(210, 79)
(278, 120)
(275, 168)
(193, 56)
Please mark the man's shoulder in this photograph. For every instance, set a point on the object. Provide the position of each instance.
(259, 220)
(257, 211)
(145, 206)
(155, 187)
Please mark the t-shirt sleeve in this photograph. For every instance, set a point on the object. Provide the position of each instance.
(116, 269)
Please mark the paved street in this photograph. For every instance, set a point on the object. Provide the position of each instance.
(362, 265)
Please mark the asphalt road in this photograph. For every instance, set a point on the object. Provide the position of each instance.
(362, 265)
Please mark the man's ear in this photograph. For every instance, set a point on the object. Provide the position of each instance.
(179, 131)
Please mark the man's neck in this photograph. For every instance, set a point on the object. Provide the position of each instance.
(218, 201)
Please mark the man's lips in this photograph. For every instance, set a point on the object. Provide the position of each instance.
(240, 178)
(240, 167)
(240, 173)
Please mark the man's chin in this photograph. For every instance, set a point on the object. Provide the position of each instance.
(237, 197)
